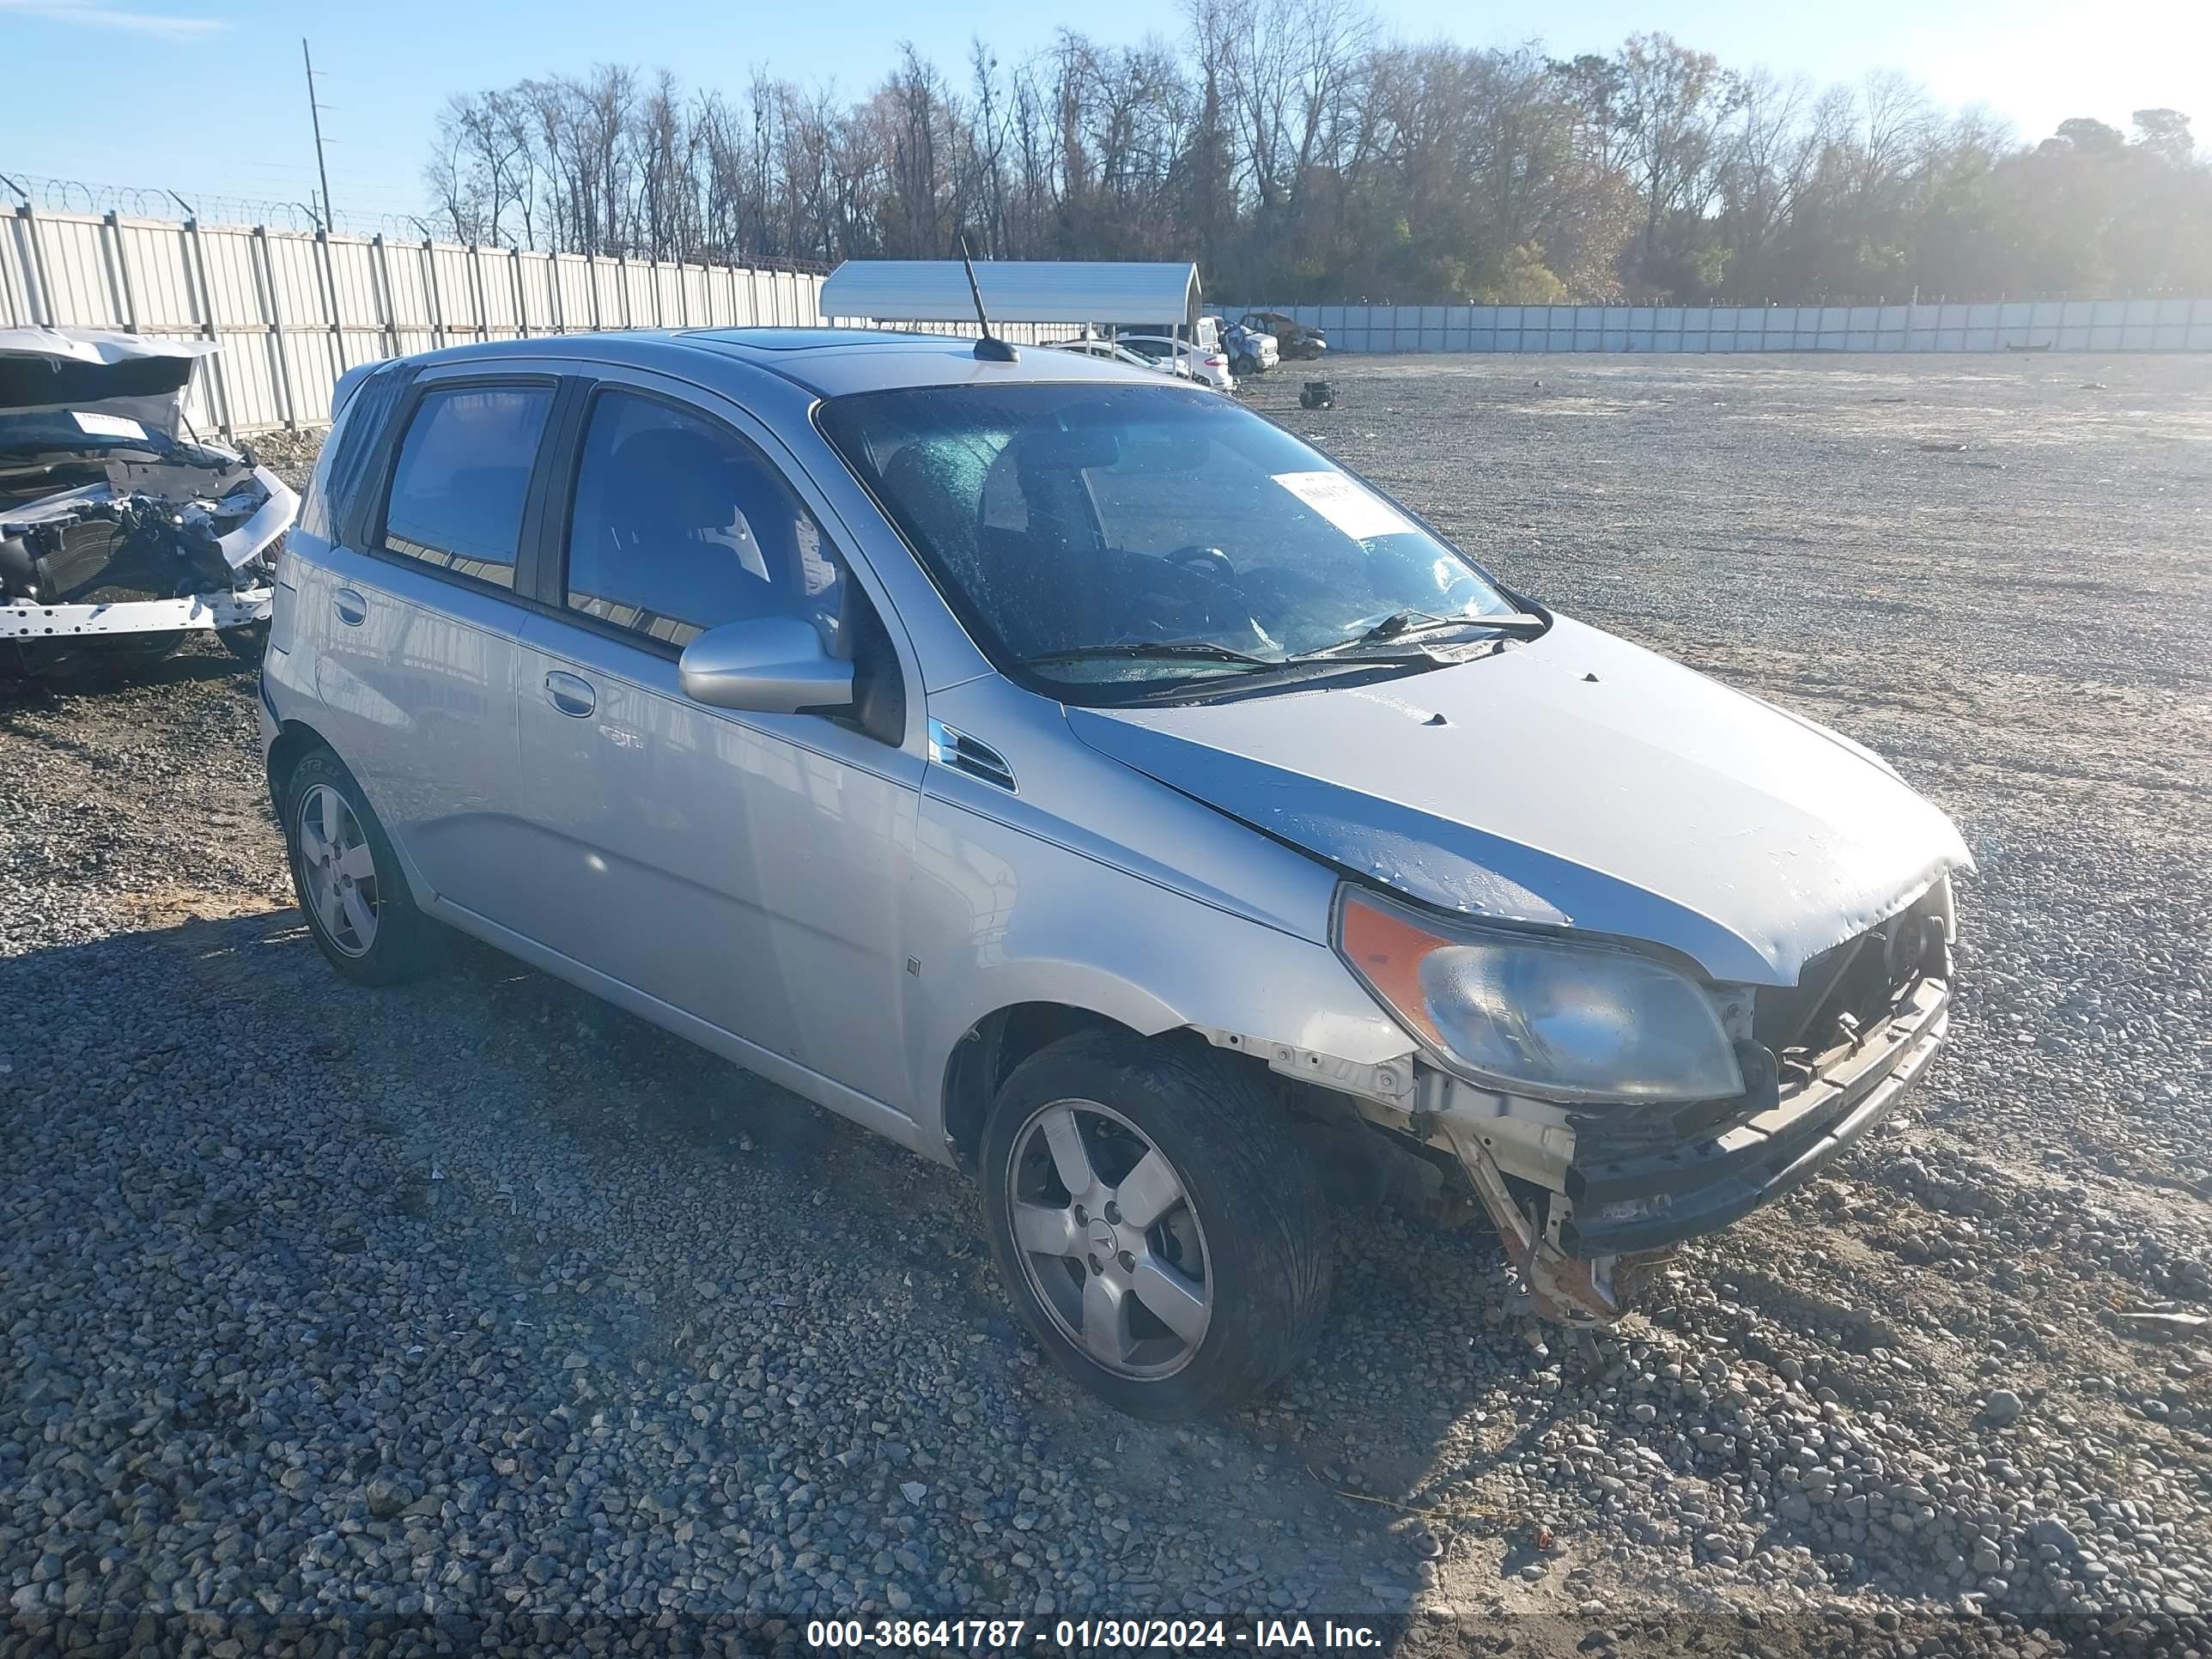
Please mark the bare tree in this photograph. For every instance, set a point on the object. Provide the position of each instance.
(1295, 152)
(1672, 102)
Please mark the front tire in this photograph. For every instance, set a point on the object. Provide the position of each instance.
(1160, 1234)
(347, 877)
(248, 642)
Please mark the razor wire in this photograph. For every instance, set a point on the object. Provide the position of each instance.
(41, 192)
(55, 195)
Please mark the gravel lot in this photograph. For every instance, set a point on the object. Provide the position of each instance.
(477, 1298)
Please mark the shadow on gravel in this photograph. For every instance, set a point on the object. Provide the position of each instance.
(400, 1223)
(98, 679)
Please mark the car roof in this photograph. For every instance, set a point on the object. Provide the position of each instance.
(828, 362)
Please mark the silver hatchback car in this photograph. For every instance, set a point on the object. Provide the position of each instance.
(1080, 779)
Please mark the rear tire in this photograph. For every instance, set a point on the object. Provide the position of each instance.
(347, 879)
(1192, 1271)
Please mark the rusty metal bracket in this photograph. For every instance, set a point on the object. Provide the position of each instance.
(1392, 1080)
(1567, 1289)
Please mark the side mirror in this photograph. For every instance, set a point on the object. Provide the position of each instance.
(766, 666)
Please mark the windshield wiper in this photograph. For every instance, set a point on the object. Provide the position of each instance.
(1402, 624)
(1151, 650)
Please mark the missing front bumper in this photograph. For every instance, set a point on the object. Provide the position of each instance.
(1585, 1219)
(1562, 1288)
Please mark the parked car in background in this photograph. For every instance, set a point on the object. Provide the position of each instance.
(1110, 351)
(1207, 366)
(1297, 341)
(1249, 351)
(1083, 783)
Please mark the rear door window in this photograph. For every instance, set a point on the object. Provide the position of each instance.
(463, 474)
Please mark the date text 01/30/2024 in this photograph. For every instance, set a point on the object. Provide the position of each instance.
(1085, 1634)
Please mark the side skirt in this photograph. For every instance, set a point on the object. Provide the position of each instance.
(826, 1093)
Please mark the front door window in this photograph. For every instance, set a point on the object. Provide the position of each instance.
(680, 525)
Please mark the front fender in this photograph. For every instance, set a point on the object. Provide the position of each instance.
(1008, 918)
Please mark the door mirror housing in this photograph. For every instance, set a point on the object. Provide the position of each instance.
(764, 665)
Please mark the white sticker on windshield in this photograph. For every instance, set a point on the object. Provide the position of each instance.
(108, 426)
(1360, 513)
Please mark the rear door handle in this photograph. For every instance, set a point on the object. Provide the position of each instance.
(352, 609)
(570, 694)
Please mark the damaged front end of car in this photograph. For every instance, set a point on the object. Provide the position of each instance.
(119, 535)
(1591, 1196)
(1662, 950)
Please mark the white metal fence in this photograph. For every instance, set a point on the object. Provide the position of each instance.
(295, 310)
(2055, 324)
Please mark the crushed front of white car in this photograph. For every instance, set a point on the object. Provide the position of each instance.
(115, 522)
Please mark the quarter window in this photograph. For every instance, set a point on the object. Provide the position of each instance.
(329, 507)
(464, 469)
(680, 525)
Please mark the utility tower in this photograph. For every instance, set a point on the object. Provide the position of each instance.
(315, 114)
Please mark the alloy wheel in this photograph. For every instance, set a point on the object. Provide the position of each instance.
(339, 869)
(1109, 1239)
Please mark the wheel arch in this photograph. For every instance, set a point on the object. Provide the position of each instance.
(987, 1052)
(987, 1055)
(293, 739)
(1252, 997)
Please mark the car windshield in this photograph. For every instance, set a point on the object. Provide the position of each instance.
(1104, 538)
(39, 432)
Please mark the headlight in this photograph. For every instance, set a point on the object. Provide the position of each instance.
(1540, 1016)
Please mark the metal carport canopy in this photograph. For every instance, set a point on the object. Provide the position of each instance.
(1014, 291)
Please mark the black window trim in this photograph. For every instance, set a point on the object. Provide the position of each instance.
(527, 538)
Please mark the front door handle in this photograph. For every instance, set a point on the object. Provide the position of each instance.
(352, 609)
(571, 693)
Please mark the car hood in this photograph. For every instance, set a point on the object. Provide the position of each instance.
(116, 380)
(1574, 781)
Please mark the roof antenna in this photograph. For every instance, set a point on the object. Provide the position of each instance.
(990, 348)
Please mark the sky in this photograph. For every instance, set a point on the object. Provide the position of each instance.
(206, 98)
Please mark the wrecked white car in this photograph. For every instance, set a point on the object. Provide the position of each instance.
(119, 535)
